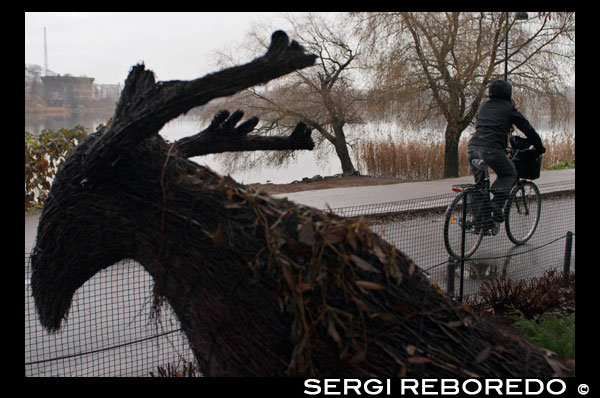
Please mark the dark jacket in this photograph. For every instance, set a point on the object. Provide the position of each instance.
(497, 115)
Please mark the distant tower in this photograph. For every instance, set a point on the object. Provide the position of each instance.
(45, 55)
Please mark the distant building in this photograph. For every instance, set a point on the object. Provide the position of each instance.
(68, 91)
(107, 91)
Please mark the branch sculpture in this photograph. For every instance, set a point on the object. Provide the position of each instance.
(261, 286)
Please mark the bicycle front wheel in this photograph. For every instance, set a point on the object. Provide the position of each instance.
(522, 212)
(455, 222)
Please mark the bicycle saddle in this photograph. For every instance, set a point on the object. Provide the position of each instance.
(479, 164)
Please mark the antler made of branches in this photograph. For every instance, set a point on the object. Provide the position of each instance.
(146, 106)
(222, 135)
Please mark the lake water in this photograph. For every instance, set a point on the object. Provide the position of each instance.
(305, 163)
(321, 161)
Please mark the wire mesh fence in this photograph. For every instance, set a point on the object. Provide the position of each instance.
(112, 329)
(416, 227)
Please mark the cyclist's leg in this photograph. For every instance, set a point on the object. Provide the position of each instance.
(506, 178)
(475, 152)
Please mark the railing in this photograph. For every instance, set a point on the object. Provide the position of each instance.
(112, 330)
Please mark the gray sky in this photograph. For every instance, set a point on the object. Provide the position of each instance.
(105, 45)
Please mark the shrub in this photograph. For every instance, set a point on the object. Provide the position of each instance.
(529, 296)
(43, 156)
(189, 370)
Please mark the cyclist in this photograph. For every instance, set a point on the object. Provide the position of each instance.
(495, 119)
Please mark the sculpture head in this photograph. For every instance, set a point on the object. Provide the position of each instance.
(84, 227)
(115, 180)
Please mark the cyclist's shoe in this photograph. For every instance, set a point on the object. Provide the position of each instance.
(495, 228)
(488, 228)
(477, 226)
(498, 217)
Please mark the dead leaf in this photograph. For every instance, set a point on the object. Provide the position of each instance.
(334, 236)
(229, 194)
(361, 304)
(351, 239)
(302, 287)
(411, 350)
(558, 368)
(482, 356)
(218, 237)
(296, 248)
(362, 264)
(384, 316)
(182, 174)
(419, 360)
(359, 357)
(271, 212)
(369, 285)
(289, 278)
(306, 233)
(437, 288)
(455, 324)
(331, 330)
(234, 205)
(380, 254)
(467, 307)
(411, 268)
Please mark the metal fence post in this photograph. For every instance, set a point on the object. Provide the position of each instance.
(450, 278)
(567, 263)
(462, 245)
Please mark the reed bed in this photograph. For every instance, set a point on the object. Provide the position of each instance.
(415, 160)
(560, 148)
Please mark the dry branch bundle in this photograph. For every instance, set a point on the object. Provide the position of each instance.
(261, 286)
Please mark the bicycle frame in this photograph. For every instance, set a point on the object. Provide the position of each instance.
(471, 212)
(521, 187)
(482, 188)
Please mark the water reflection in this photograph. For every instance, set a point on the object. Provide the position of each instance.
(90, 120)
(305, 164)
(322, 161)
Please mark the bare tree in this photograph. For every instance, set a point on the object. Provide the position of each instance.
(324, 97)
(439, 64)
(261, 286)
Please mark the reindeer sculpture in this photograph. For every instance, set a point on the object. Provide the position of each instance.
(261, 286)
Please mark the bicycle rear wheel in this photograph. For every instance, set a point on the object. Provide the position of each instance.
(453, 228)
(522, 212)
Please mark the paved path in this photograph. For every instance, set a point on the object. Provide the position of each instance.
(355, 196)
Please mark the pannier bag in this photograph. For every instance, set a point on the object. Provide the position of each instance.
(526, 159)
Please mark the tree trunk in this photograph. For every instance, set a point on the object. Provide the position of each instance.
(451, 161)
(261, 286)
(341, 149)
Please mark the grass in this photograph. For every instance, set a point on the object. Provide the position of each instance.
(570, 164)
(553, 332)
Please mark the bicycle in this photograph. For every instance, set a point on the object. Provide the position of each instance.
(464, 228)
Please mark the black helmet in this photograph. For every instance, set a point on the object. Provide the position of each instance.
(500, 89)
